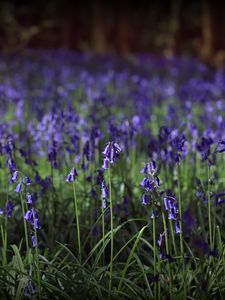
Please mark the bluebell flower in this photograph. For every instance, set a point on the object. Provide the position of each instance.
(147, 184)
(11, 164)
(171, 206)
(177, 227)
(29, 198)
(72, 175)
(100, 177)
(220, 198)
(106, 163)
(150, 168)
(18, 188)
(9, 209)
(14, 177)
(221, 146)
(111, 154)
(34, 240)
(105, 193)
(27, 180)
(146, 199)
(161, 239)
(31, 216)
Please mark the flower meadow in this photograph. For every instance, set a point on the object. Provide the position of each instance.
(112, 177)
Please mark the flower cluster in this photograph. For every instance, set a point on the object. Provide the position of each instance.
(150, 182)
(111, 154)
(171, 205)
(31, 216)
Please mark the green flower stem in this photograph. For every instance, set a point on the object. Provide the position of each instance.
(167, 250)
(221, 247)
(180, 211)
(37, 259)
(111, 227)
(3, 246)
(173, 237)
(209, 210)
(77, 220)
(154, 255)
(181, 228)
(24, 222)
(103, 234)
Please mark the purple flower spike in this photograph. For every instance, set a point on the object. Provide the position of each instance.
(31, 216)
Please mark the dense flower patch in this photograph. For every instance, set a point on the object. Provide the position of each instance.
(112, 177)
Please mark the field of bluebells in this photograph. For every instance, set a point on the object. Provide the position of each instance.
(112, 177)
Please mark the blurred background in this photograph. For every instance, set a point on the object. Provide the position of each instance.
(123, 27)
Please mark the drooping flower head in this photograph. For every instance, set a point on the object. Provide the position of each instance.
(18, 188)
(171, 205)
(32, 217)
(14, 177)
(111, 154)
(29, 198)
(72, 175)
(150, 182)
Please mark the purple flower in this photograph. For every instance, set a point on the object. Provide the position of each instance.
(18, 188)
(27, 180)
(147, 184)
(146, 199)
(11, 164)
(30, 199)
(99, 177)
(105, 194)
(72, 175)
(34, 240)
(177, 227)
(111, 153)
(150, 168)
(9, 209)
(14, 177)
(106, 162)
(219, 198)
(221, 146)
(171, 206)
(161, 239)
(31, 216)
